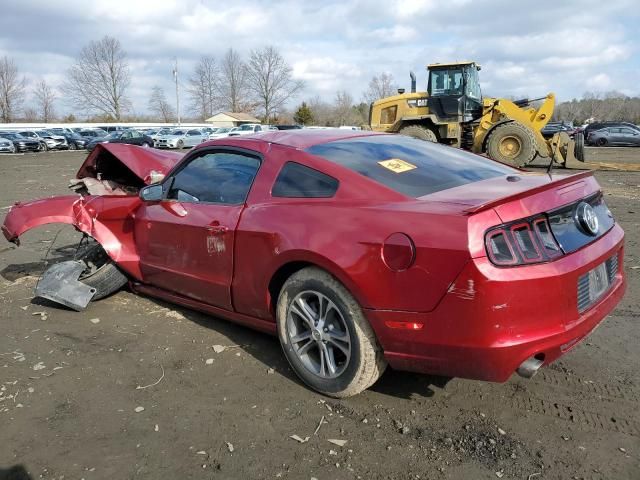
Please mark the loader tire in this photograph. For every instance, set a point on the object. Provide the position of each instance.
(512, 143)
(579, 148)
(101, 272)
(419, 132)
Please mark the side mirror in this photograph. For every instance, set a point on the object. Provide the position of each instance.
(151, 193)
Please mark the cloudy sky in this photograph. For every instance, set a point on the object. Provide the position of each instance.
(526, 48)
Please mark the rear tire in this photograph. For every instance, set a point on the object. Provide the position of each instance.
(579, 148)
(602, 142)
(101, 272)
(72, 146)
(512, 143)
(341, 337)
(419, 132)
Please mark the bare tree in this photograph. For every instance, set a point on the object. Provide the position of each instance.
(12, 89)
(380, 87)
(160, 106)
(323, 114)
(343, 108)
(45, 98)
(203, 87)
(99, 79)
(234, 91)
(270, 80)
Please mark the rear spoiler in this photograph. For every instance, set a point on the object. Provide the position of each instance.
(562, 180)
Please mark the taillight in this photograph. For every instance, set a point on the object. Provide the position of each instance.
(522, 242)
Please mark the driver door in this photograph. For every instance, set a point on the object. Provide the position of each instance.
(186, 240)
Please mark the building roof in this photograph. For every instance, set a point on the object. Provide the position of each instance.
(239, 116)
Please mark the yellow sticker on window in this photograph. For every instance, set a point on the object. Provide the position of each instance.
(396, 165)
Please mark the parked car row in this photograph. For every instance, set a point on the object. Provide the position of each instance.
(62, 138)
(42, 140)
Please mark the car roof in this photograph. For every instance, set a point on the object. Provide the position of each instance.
(302, 139)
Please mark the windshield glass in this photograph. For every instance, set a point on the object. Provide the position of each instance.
(407, 165)
(473, 82)
(178, 132)
(246, 127)
(446, 81)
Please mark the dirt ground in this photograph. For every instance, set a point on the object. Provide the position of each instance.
(136, 388)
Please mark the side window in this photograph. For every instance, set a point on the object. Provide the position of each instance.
(298, 181)
(193, 133)
(388, 115)
(220, 177)
(136, 134)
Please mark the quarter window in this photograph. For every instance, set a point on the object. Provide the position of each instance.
(298, 181)
(221, 177)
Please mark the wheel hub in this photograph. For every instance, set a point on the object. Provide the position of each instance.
(510, 146)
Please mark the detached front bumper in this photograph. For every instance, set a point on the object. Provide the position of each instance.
(493, 319)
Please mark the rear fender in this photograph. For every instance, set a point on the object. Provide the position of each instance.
(108, 220)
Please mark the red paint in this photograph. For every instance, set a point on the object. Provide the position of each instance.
(451, 312)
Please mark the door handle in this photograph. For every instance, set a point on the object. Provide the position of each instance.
(217, 229)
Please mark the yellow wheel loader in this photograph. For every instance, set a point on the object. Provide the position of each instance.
(452, 111)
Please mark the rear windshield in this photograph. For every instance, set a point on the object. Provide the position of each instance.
(407, 165)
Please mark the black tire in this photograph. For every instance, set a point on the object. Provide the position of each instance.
(180, 144)
(579, 148)
(73, 146)
(419, 132)
(365, 363)
(101, 273)
(512, 143)
(601, 142)
(145, 145)
(44, 147)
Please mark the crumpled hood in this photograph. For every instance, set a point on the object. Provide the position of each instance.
(142, 162)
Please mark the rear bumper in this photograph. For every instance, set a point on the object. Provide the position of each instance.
(491, 320)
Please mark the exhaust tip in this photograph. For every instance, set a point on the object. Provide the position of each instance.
(530, 366)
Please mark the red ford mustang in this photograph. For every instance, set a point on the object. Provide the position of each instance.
(359, 250)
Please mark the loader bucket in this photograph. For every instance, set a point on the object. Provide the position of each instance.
(566, 151)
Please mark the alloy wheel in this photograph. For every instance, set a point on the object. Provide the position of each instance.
(319, 334)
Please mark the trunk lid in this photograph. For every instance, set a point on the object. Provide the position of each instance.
(518, 195)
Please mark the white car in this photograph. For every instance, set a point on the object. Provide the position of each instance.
(248, 129)
(181, 138)
(220, 132)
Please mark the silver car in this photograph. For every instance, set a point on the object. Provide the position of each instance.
(182, 138)
(7, 145)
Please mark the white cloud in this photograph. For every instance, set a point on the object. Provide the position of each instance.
(527, 48)
(600, 81)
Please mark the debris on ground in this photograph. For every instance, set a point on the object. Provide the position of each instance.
(138, 409)
(230, 447)
(174, 314)
(340, 443)
(299, 439)
(43, 315)
(94, 320)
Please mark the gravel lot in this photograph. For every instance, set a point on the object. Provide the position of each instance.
(136, 388)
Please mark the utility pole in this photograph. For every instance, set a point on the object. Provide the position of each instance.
(175, 76)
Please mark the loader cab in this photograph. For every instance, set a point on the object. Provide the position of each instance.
(454, 91)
